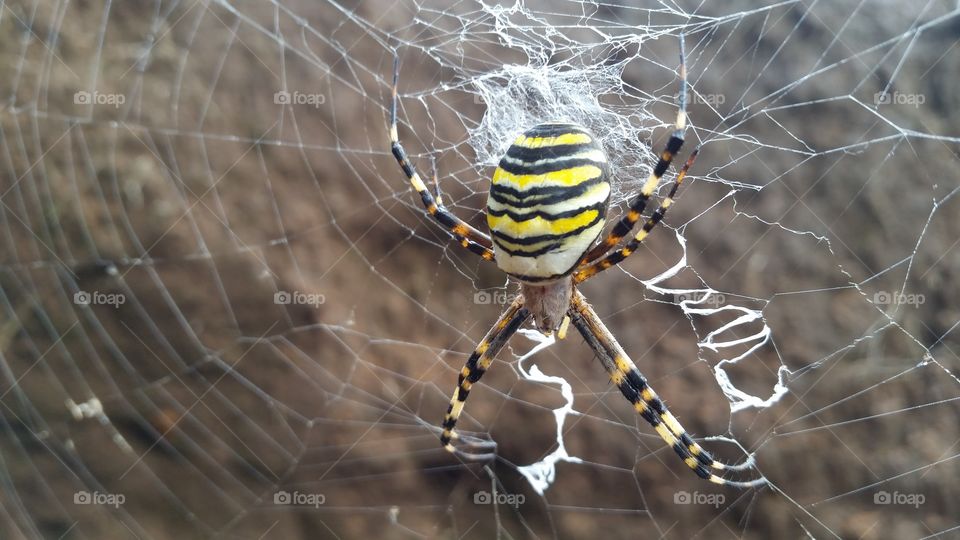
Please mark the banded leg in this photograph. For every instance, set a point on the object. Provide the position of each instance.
(615, 258)
(476, 366)
(633, 215)
(635, 388)
(468, 236)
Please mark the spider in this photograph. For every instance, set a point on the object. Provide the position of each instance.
(546, 209)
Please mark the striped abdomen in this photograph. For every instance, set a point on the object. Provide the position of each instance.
(548, 201)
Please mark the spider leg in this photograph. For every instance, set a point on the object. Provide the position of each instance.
(587, 271)
(635, 212)
(468, 236)
(635, 388)
(476, 366)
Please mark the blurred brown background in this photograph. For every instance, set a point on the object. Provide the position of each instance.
(147, 157)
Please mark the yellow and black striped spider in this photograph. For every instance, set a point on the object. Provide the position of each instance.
(546, 208)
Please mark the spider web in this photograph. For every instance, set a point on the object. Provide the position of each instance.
(225, 314)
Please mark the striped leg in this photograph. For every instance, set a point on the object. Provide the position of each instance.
(468, 237)
(476, 366)
(634, 387)
(633, 215)
(587, 271)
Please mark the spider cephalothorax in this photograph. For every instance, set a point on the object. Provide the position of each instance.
(547, 207)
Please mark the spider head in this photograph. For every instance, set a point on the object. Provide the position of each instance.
(548, 303)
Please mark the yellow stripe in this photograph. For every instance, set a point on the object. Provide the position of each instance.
(571, 176)
(539, 142)
(665, 434)
(622, 364)
(538, 225)
(672, 423)
(650, 185)
(484, 363)
(417, 183)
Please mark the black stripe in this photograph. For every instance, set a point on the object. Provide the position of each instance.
(549, 216)
(530, 240)
(703, 472)
(684, 453)
(541, 195)
(636, 379)
(673, 146)
(554, 166)
(475, 374)
(704, 456)
(401, 157)
(654, 219)
(649, 415)
(523, 153)
(521, 253)
(623, 228)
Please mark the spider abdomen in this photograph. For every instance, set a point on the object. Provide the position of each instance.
(548, 201)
